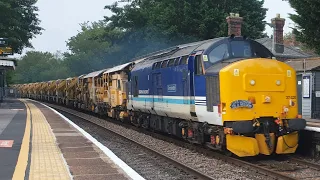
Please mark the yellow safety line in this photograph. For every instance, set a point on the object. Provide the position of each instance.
(20, 170)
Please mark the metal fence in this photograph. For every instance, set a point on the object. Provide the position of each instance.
(6, 92)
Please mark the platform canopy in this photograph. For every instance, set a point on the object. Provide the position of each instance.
(7, 63)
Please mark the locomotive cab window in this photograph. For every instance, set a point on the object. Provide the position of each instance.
(238, 49)
(219, 53)
(241, 49)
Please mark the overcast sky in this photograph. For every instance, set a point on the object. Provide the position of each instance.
(61, 19)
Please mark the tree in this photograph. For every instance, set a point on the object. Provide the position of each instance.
(180, 19)
(90, 49)
(307, 20)
(19, 22)
(39, 66)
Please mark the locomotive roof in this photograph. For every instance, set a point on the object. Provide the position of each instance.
(176, 51)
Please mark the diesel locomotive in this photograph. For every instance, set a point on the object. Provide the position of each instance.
(227, 93)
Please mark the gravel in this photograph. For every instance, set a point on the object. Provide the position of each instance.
(149, 166)
(290, 167)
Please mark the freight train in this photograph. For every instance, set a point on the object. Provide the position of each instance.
(229, 94)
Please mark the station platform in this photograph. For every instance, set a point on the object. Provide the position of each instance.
(313, 122)
(313, 125)
(37, 142)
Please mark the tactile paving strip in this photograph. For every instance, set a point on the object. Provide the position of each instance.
(47, 161)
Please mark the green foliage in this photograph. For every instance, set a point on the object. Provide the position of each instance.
(90, 48)
(19, 22)
(177, 19)
(9, 77)
(39, 66)
(307, 22)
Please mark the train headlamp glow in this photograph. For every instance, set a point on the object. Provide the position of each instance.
(252, 82)
(278, 82)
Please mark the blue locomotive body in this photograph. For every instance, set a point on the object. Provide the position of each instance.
(177, 82)
(168, 85)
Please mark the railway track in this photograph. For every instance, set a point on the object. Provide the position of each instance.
(289, 168)
(309, 164)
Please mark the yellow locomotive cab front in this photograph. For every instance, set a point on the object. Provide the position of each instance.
(260, 106)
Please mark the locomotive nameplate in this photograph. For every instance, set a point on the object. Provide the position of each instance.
(241, 104)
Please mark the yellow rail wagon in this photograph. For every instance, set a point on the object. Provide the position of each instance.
(70, 91)
(51, 90)
(42, 90)
(45, 87)
(114, 95)
(81, 92)
(93, 86)
(60, 91)
(37, 90)
(29, 90)
(24, 91)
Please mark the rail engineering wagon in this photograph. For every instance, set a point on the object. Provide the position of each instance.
(226, 93)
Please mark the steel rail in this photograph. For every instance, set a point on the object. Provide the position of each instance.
(309, 164)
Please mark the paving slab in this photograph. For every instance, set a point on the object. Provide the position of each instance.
(13, 116)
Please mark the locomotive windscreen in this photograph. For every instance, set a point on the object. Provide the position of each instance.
(234, 49)
(240, 49)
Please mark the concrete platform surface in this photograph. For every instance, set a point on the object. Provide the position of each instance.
(37, 142)
(13, 117)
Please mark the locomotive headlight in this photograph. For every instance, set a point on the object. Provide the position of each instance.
(252, 82)
(278, 82)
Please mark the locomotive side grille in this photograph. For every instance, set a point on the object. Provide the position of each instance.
(212, 92)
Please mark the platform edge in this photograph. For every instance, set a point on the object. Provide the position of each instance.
(127, 169)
